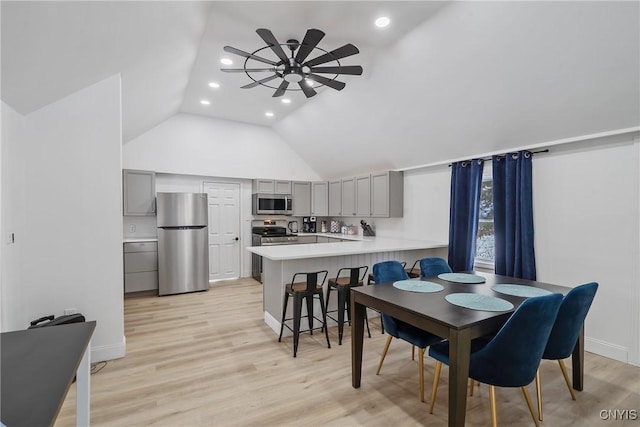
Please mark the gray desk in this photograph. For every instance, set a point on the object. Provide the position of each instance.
(38, 367)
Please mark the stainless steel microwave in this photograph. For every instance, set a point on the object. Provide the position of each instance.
(272, 204)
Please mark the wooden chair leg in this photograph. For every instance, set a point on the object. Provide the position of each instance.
(566, 378)
(421, 367)
(539, 394)
(525, 392)
(492, 403)
(472, 384)
(434, 390)
(413, 352)
(384, 353)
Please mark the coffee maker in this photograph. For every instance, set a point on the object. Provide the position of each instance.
(309, 224)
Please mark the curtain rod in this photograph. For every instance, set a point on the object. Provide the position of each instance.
(503, 155)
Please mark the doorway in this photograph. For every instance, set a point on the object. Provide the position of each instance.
(224, 229)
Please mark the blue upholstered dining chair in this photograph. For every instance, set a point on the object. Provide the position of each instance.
(565, 332)
(433, 266)
(511, 357)
(391, 271)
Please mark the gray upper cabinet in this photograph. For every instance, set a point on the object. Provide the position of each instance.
(387, 194)
(282, 187)
(335, 198)
(139, 192)
(363, 195)
(270, 186)
(301, 196)
(348, 197)
(320, 198)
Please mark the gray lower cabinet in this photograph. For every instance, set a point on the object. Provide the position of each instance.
(139, 192)
(140, 266)
(307, 239)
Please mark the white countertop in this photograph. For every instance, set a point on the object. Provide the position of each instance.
(364, 245)
(139, 239)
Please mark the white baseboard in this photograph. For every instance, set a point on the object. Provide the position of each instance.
(108, 352)
(606, 349)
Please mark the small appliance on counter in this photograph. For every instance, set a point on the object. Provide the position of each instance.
(323, 226)
(309, 224)
(293, 226)
(335, 226)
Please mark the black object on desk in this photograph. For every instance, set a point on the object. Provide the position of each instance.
(38, 367)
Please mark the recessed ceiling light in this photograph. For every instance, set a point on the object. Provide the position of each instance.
(268, 114)
(205, 102)
(286, 101)
(309, 82)
(226, 61)
(214, 85)
(382, 22)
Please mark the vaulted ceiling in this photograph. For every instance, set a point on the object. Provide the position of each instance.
(444, 80)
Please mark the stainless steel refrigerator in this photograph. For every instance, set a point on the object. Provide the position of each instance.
(183, 247)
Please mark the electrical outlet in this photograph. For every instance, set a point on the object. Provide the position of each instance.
(132, 228)
(69, 311)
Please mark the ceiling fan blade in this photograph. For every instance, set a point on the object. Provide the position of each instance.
(281, 89)
(341, 52)
(354, 70)
(310, 41)
(308, 90)
(327, 82)
(248, 55)
(259, 82)
(250, 70)
(271, 41)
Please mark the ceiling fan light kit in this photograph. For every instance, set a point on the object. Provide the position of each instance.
(294, 68)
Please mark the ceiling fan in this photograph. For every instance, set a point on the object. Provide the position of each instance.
(295, 69)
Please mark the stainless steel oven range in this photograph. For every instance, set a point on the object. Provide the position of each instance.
(268, 236)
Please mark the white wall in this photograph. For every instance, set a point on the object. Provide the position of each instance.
(586, 224)
(196, 145)
(587, 219)
(11, 296)
(69, 222)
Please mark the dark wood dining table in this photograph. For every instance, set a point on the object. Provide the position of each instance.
(432, 313)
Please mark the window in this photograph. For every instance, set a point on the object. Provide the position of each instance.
(485, 252)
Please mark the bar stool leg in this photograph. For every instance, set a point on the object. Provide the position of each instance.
(297, 308)
(329, 289)
(284, 312)
(323, 307)
(309, 299)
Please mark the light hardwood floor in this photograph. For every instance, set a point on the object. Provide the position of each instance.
(208, 359)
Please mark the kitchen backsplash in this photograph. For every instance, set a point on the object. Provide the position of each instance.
(139, 226)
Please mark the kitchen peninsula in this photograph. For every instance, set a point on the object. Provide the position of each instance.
(281, 262)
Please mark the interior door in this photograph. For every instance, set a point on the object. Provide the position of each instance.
(224, 229)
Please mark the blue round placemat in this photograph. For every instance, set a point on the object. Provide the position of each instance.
(519, 290)
(479, 302)
(461, 278)
(417, 286)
